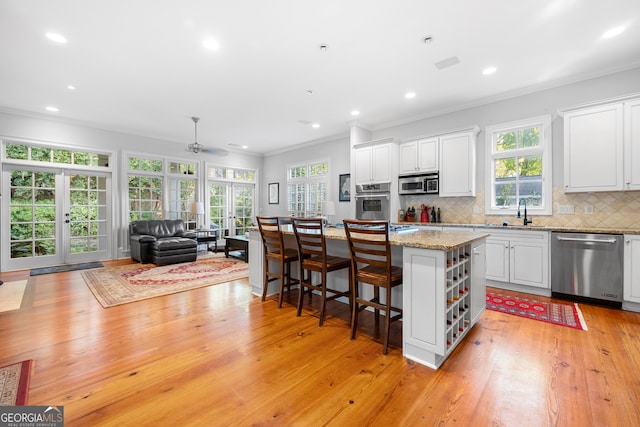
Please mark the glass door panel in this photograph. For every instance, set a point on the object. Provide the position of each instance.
(54, 217)
(87, 217)
(231, 207)
(243, 208)
(219, 207)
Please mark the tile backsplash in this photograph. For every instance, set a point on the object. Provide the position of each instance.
(609, 209)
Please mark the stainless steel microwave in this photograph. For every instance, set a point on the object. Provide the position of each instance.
(418, 184)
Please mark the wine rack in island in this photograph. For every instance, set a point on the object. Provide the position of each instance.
(444, 293)
(458, 294)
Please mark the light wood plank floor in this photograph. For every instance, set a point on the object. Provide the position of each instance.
(218, 356)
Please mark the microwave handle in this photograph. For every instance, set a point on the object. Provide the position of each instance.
(367, 196)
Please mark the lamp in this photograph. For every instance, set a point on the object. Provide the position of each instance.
(197, 208)
(328, 209)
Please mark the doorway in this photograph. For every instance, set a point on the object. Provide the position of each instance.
(54, 216)
(231, 207)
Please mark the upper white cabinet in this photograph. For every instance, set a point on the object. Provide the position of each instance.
(458, 164)
(593, 149)
(602, 147)
(373, 163)
(632, 145)
(418, 156)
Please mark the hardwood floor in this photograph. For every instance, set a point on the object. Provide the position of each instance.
(218, 356)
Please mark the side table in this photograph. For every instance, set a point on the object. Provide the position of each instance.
(237, 247)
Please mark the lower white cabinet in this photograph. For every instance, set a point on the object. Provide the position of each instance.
(518, 258)
(631, 269)
(444, 295)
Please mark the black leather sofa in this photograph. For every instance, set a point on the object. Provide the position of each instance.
(162, 242)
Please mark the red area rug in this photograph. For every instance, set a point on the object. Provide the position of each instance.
(135, 282)
(550, 312)
(14, 383)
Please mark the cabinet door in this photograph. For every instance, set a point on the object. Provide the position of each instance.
(363, 165)
(457, 165)
(381, 163)
(632, 145)
(632, 268)
(529, 263)
(428, 155)
(408, 158)
(497, 255)
(593, 149)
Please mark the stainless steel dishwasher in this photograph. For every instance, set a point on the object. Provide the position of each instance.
(587, 267)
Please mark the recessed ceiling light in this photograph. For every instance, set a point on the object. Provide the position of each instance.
(211, 44)
(71, 87)
(324, 47)
(612, 32)
(56, 37)
(489, 70)
(308, 92)
(427, 39)
(244, 147)
(410, 95)
(52, 109)
(315, 125)
(355, 113)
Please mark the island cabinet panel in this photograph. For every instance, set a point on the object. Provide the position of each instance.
(443, 299)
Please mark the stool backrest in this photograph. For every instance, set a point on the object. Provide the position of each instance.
(310, 237)
(271, 234)
(368, 243)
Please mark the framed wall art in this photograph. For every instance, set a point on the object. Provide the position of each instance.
(274, 193)
(344, 187)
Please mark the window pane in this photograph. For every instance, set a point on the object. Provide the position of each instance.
(505, 141)
(505, 191)
(530, 166)
(505, 168)
(15, 151)
(530, 190)
(529, 137)
(41, 154)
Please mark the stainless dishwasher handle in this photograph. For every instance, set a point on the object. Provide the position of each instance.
(573, 239)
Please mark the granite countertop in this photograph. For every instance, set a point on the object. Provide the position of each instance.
(424, 239)
(511, 226)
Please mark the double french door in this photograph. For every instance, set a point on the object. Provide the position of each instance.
(231, 207)
(54, 216)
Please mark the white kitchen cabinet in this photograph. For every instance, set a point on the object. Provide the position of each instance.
(632, 145)
(631, 275)
(458, 164)
(444, 295)
(419, 156)
(518, 258)
(373, 163)
(593, 149)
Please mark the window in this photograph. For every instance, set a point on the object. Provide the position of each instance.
(148, 196)
(56, 156)
(519, 166)
(307, 189)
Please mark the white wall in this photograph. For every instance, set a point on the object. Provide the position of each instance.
(337, 151)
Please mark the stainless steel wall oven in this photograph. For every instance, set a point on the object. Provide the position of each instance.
(373, 201)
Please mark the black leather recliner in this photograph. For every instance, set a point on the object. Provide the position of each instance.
(162, 242)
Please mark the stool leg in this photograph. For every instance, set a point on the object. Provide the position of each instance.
(324, 295)
(282, 282)
(355, 311)
(387, 321)
(266, 279)
(303, 280)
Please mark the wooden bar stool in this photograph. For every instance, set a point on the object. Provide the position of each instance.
(275, 252)
(371, 264)
(312, 251)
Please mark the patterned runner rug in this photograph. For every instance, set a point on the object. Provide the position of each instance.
(14, 383)
(135, 282)
(550, 312)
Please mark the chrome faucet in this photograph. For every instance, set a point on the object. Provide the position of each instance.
(526, 221)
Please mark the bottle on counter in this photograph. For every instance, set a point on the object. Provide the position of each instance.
(439, 217)
(433, 214)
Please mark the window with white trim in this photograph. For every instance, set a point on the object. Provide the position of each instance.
(307, 188)
(519, 166)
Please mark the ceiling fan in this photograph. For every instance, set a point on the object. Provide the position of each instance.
(196, 147)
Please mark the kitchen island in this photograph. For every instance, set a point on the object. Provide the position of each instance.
(443, 292)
